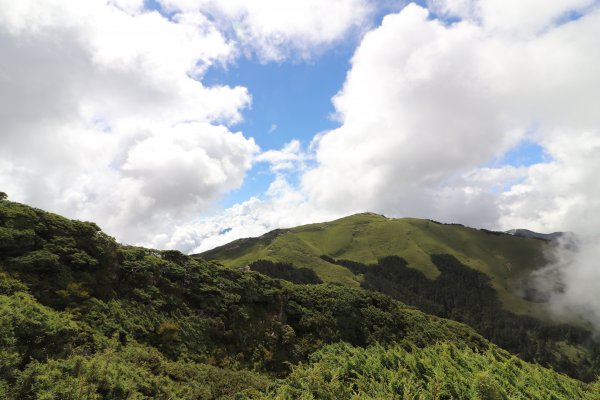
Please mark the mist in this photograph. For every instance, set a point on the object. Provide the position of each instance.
(571, 279)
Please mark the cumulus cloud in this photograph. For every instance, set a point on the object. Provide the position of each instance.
(426, 104)
(521, 17)
(279, 29)
(417, 112)
(290, 157)
(283, 206)
(104, 117)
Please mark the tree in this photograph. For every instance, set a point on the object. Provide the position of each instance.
(3, 196)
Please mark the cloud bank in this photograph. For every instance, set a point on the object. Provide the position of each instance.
(427, 104)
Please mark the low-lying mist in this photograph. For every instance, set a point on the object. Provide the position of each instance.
(571, 279)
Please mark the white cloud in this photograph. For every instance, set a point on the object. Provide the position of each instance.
(425, 105)
(291, 156)
(282, 207)
(521, 17)
(416, 111)
(279, 29)
(129, 6)
(102, 115)
(565, 195)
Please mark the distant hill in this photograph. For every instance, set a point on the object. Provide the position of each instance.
(531, 234)
(476, 276)
(83, 317)
(367, 237)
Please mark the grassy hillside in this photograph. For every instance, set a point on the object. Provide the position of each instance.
(367, 237)
(82, 317)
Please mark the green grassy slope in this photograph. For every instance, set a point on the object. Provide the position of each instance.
(368, 237)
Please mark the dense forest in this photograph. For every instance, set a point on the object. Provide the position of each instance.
(83, 317)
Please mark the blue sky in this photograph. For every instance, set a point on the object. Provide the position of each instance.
(290, 100)
(524, 154)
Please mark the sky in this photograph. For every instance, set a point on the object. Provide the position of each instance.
(185, 124)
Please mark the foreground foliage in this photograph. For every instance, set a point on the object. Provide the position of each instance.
(440, 371)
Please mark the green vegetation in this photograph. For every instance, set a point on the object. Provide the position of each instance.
(368, 237)
(285, 271)
(82, 317)
(440, 371)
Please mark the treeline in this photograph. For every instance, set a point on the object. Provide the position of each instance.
(288, 272)
(466, 295)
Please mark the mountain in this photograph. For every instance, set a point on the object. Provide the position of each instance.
(83, 317)
(365, 238)
(475, 276)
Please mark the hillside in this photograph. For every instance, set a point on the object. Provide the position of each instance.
(367, 237)
(473, 276)
(83, 317)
